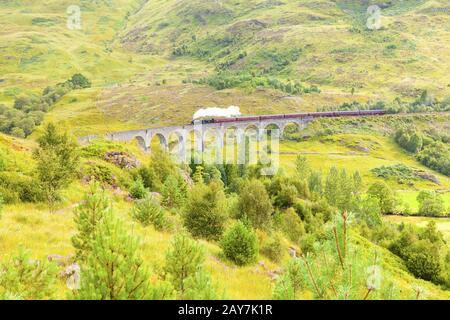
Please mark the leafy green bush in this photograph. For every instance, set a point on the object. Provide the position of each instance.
(273, 248)
(206, 211)
(147, 211)
(79, 81)
(292, 225)
(421, 250)
(17, 187)
(239, 244)
(254, 204)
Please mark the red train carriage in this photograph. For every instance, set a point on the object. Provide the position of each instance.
(326, 114)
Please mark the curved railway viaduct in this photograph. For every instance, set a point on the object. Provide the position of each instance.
(254, 126)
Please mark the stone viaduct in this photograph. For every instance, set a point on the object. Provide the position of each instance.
(241, 129)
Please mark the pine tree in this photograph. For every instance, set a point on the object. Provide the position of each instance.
(114, 269)
(198, 174)
(173, 192)
(21, 277)
(88, 215)
(184, 259)
(302, 166)
(200, 287)
(148, 211)
(240, 244)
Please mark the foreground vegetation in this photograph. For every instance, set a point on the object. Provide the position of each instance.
(203, 219)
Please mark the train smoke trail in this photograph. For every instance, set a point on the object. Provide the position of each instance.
(229, 112)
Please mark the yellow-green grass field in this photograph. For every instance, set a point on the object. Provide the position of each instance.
(442, 224)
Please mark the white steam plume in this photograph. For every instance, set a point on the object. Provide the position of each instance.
(229, 112)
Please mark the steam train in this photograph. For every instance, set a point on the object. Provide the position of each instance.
(311, 115)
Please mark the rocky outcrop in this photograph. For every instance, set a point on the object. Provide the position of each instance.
(122, 159)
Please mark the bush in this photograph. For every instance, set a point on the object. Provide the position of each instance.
(79, 81)
(273, 248)
(21, 277)
(239, 244)
(206, 211)
(17, 187)
(254, 204)
(292, 225)
(138, 190)
(423, 260)
(148, 211)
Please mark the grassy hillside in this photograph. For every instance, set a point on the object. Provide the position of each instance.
(32, 226)
(154, 63)
(142, 56)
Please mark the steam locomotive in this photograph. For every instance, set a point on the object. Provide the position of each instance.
(310, 115)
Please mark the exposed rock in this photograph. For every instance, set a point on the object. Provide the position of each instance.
(427, 176)
(246, 26)
(60, 260)
(187, 178)
(292, 252)
(72, 276)
(156, 196)
(122, 159)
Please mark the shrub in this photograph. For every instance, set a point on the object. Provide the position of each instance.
(79, 81)
(148, 211)
(21, 277)
(184, 259)
(100, 172)
(423, 260)
(138, 190)
(292, 225)
(239, 244)
(18, 187)
(273, 248)
(206, 212)
(254, 204)
(286, 196)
